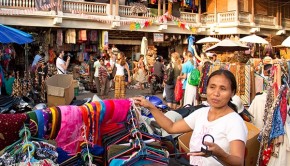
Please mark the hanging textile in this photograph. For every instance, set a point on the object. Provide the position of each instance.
(70, 36)
(191, 41)
(52, 38)
(59, 37)
(10, 125)
(82, 35)
(94, 36)
(105, 40)
(265, 136)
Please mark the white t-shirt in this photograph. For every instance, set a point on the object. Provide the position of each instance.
(60, 70)
(224, 130)
(120, 69)
(96, 66)
(257, 109)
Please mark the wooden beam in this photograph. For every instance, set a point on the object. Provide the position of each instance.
(253, 11)
(164, 6)
(169, 8)
(159, 7)
(111, 7)
(117, 8)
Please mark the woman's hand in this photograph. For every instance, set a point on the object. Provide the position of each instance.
(214, 148)
(141, 101)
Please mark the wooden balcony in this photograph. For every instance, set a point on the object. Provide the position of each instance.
(17, 4)
(189, 17)
(286, 23)
(72, 8)
(207, 19)
(262, 20)
(85, 7)
(227, 17)
(125, 11)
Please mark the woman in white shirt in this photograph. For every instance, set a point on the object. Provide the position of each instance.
(121, 65)
(220, 120)
(62, 65)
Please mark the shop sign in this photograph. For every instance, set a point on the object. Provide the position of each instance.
(158, 37)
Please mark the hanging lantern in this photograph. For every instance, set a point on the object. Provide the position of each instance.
(138, 26)
(132, 26)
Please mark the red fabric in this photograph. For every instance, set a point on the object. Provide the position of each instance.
(267, 155)
(178, 91)
(110, 107)
(10, 125)
(283, 107)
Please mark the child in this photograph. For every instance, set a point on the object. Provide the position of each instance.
(9, 82)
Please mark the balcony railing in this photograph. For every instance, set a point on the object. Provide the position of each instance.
(189, 17)
(93, 8)
(226, 17)
(207, 18)
(286, 22)
(244, 17)
(84, 7)
(17, 4)
(264, 20)
(126, 11)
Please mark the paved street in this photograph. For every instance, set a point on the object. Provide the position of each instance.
(129, 93)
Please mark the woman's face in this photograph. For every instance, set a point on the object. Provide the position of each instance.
(102, 62)
(219, 91)
(119, 56)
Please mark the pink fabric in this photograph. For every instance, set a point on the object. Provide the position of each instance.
(122, 107)
(70, 130)
(110, 107)
(259, 83)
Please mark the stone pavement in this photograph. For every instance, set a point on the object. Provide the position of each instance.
(129, 93)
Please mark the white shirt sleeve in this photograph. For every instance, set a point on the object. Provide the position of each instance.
(237, 129)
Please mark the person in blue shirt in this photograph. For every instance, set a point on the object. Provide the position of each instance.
(189, 90)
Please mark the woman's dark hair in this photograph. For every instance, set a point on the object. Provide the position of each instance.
(230, 76)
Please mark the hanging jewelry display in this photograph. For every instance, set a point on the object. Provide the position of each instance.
(36, 80)
(42, 89)
(29, 80)
(16, 86)
(24, 83)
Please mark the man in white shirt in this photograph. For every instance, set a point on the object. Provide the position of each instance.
(96, 75)
(62, 65)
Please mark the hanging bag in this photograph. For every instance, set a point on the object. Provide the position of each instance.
(178, 91)
(168, 77)
(194, 77)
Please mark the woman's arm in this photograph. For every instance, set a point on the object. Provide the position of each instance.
(195, 53)
(164, 122)
(128, 71)
(235, 156)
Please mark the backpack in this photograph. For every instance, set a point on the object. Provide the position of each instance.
(169, 75)
(194, 77)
